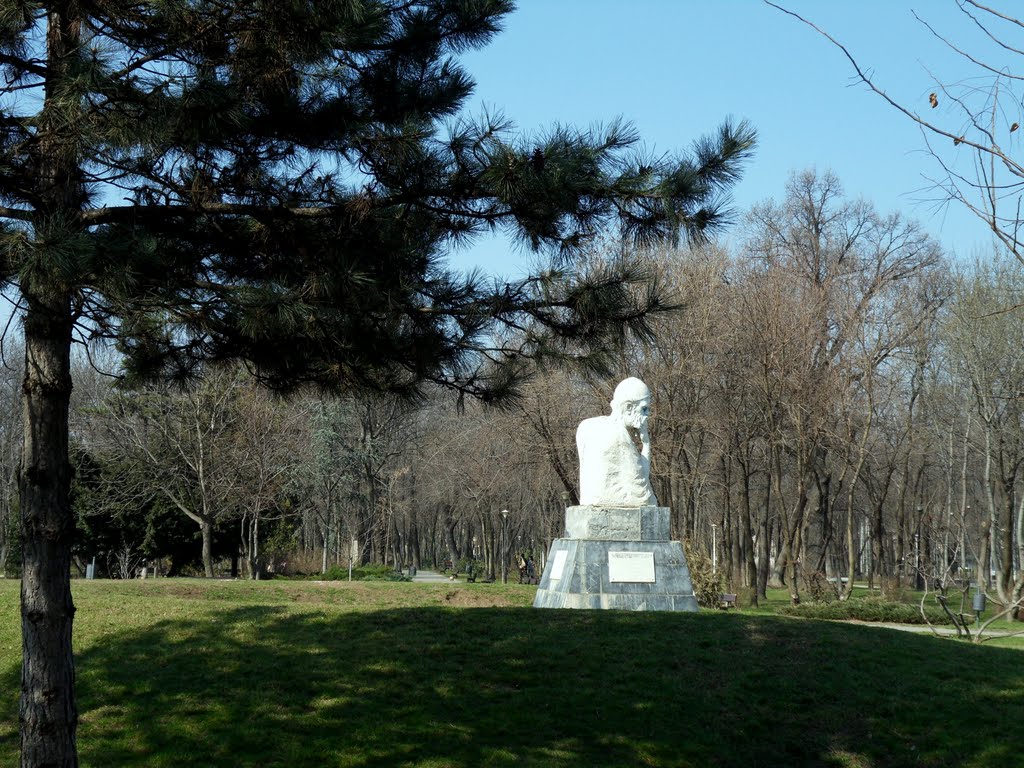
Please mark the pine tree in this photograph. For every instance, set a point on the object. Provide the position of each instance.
(279, 181)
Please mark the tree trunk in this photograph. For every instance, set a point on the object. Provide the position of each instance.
(414, 545)
(207, 528)
(1018, 590)
(794, 572)
(454, 553)
(989, 529)
(852, 553)
(746, 532)
(49, 717)
(983, 556)
(364, 526)
(1007, 549)
(763, 555)
(878, 548)
(764, 543)
(778, 573)
(254, 549)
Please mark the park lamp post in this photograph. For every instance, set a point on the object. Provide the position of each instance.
(714, 548)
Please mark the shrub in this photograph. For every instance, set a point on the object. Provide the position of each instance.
(359, 573)
(707, 584)
(872, 608)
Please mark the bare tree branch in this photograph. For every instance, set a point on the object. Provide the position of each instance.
(870, 83)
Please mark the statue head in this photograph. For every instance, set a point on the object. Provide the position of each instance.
(632, 402)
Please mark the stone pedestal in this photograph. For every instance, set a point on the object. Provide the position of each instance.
(616, 557)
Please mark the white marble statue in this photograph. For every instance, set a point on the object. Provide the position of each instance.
(612, 471)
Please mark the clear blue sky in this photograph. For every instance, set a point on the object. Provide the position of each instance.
(676, 68)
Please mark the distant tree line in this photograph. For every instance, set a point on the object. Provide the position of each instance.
(832, 398)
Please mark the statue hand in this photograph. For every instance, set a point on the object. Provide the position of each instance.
(645, 441)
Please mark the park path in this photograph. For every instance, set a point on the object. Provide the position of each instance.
(429, 576)
(924, 629)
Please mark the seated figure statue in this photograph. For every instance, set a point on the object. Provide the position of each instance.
(612, 471)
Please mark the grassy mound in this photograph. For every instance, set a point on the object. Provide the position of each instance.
(377, 674)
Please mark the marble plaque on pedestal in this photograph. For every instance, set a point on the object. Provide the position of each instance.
(631, 567)
(558, 565)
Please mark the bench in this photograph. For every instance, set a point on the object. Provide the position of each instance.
(725, 602)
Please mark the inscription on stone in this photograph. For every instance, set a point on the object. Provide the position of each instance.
(631, 567)
(558, 564)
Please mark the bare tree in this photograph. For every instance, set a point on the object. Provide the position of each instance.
(682, 365)
(831, 276)
(987, 343)
(179, 442)
(973, 113)
(267, 449)
(124, 561)
(552, 406)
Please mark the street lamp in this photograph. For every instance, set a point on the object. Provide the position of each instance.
(714, 548)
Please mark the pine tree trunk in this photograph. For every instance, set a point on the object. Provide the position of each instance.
(49, 717)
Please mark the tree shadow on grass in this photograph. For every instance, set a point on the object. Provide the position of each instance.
(268, 686)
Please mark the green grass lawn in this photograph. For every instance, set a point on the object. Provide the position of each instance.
(192, 673)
